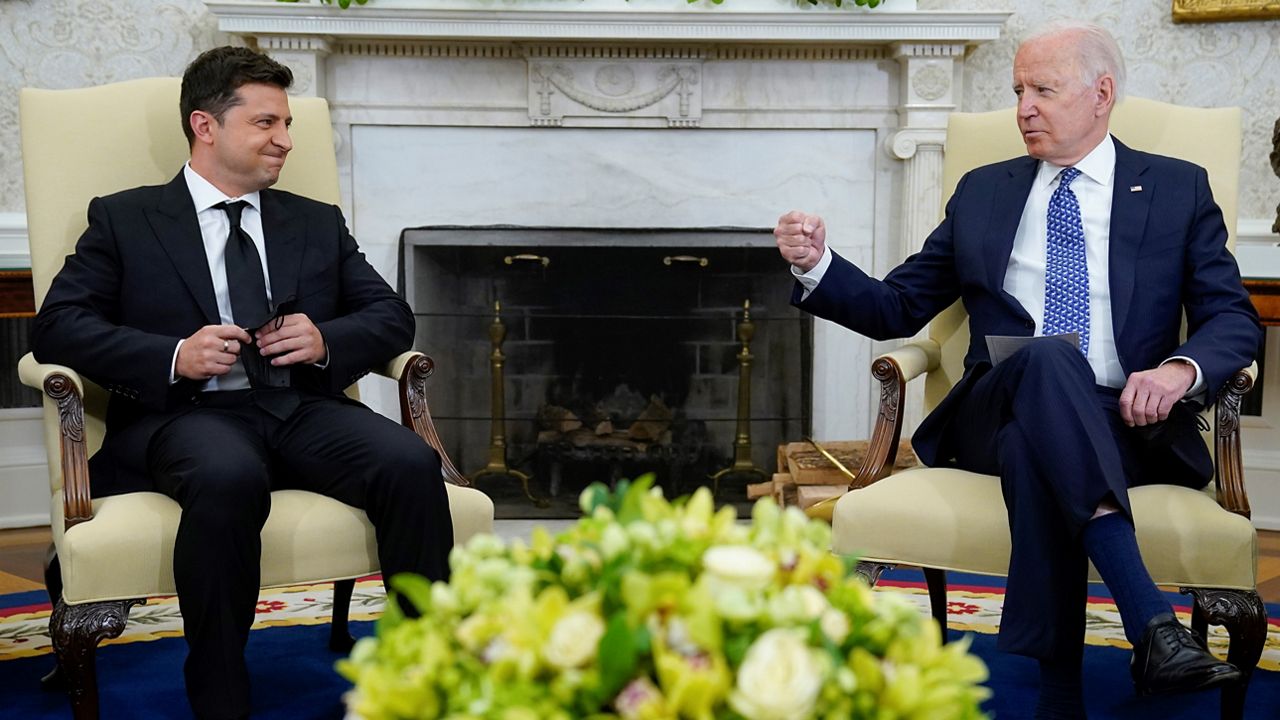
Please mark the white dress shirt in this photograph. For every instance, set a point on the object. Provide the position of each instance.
(1025, 276)
(215, 227)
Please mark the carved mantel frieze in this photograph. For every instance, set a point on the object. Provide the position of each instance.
(607, 89)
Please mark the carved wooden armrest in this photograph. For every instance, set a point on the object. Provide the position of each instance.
(411, 370)
(65, 389)
(1227, 459)
(893, 370)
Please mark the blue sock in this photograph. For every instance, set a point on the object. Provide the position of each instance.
(1061, 690)
(1112, 545)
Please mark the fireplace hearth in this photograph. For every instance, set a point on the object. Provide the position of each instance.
(617, 352)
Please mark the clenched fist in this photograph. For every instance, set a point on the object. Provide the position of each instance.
(801, 239)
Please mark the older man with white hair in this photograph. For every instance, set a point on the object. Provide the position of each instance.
(1107, 247)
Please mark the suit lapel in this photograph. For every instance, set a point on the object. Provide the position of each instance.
(284, 251)
(1008, 200)
(1128, 222)
(176, 227)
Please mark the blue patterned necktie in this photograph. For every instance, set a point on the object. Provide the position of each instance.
(1066, 282)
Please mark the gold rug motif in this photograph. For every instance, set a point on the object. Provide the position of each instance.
(26, 634)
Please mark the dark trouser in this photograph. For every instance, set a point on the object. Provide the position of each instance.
(220, 463)
(1055, 438)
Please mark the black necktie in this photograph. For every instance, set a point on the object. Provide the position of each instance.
(245, 283)
(250, 309)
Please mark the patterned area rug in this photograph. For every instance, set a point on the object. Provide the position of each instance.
(24, 630)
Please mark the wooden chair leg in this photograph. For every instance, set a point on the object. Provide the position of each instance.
(76, 631)
(55, 680)
(340, 639)
(937, 582)
(1244, 616)
(1200, 622)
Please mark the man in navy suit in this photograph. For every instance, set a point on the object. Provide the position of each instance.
(1083, 236)
(226, 319)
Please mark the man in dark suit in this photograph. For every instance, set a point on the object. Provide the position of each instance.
(227, 381)
(1083, 236)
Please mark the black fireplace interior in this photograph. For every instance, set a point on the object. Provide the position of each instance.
(621, 355)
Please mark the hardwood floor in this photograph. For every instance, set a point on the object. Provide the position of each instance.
(22, 561)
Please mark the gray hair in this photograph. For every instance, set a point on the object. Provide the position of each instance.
(1098, 52)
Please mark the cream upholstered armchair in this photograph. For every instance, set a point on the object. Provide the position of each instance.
(111, 553)
(943, 519)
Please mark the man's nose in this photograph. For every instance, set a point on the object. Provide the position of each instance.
(1026, 106)
(283, 140)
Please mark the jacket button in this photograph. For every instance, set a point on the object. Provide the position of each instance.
(1030, 325)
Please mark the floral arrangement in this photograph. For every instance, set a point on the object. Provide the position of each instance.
(652, 610)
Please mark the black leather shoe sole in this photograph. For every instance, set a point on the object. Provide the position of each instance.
(1224, 675)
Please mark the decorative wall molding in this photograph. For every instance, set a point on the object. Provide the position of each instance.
(1256, 231)
(359, 47)
(24, 469)
(14, 249)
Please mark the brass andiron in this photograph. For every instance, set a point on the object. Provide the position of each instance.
(497, 466)
(742, 464)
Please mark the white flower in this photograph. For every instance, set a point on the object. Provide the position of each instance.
(779, 679)
(734, 603)
(738, 566)
(614, 541)
(835, 625)
(638, 696)
(798, 604)
(574, 640)
(644, 535)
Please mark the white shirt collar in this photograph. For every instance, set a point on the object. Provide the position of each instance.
(205, 195)
(1099, 165)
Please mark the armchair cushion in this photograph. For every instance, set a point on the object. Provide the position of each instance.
(956, 520)
(126, 550)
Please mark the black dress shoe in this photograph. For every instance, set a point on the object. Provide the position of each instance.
(1171, 659)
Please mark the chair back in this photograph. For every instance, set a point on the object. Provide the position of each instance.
(1208, 137)
(88, 142)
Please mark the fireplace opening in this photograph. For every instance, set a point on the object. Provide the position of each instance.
(604, 354)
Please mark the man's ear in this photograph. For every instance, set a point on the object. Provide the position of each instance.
(202, 126)
(1104, 96)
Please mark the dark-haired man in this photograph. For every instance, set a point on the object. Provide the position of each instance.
(229, 376)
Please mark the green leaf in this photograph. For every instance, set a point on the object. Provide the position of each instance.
(597, 493)
(632, 507)
(415, 588)
(619, 654)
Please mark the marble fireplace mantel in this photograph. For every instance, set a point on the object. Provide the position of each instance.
(856, 99)
(771, 21)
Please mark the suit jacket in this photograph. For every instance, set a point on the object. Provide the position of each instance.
(139, 282)
(1167, 255)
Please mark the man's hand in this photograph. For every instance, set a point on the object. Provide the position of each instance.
(211, 351)
(801, 239)
(1148, 395)
(296, 340)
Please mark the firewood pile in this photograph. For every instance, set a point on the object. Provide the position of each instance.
(806, 477)
(562, 427)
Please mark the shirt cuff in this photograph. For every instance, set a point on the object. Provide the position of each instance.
(1197, 387)
(809, 280)
(173, 364)
(325, 364)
